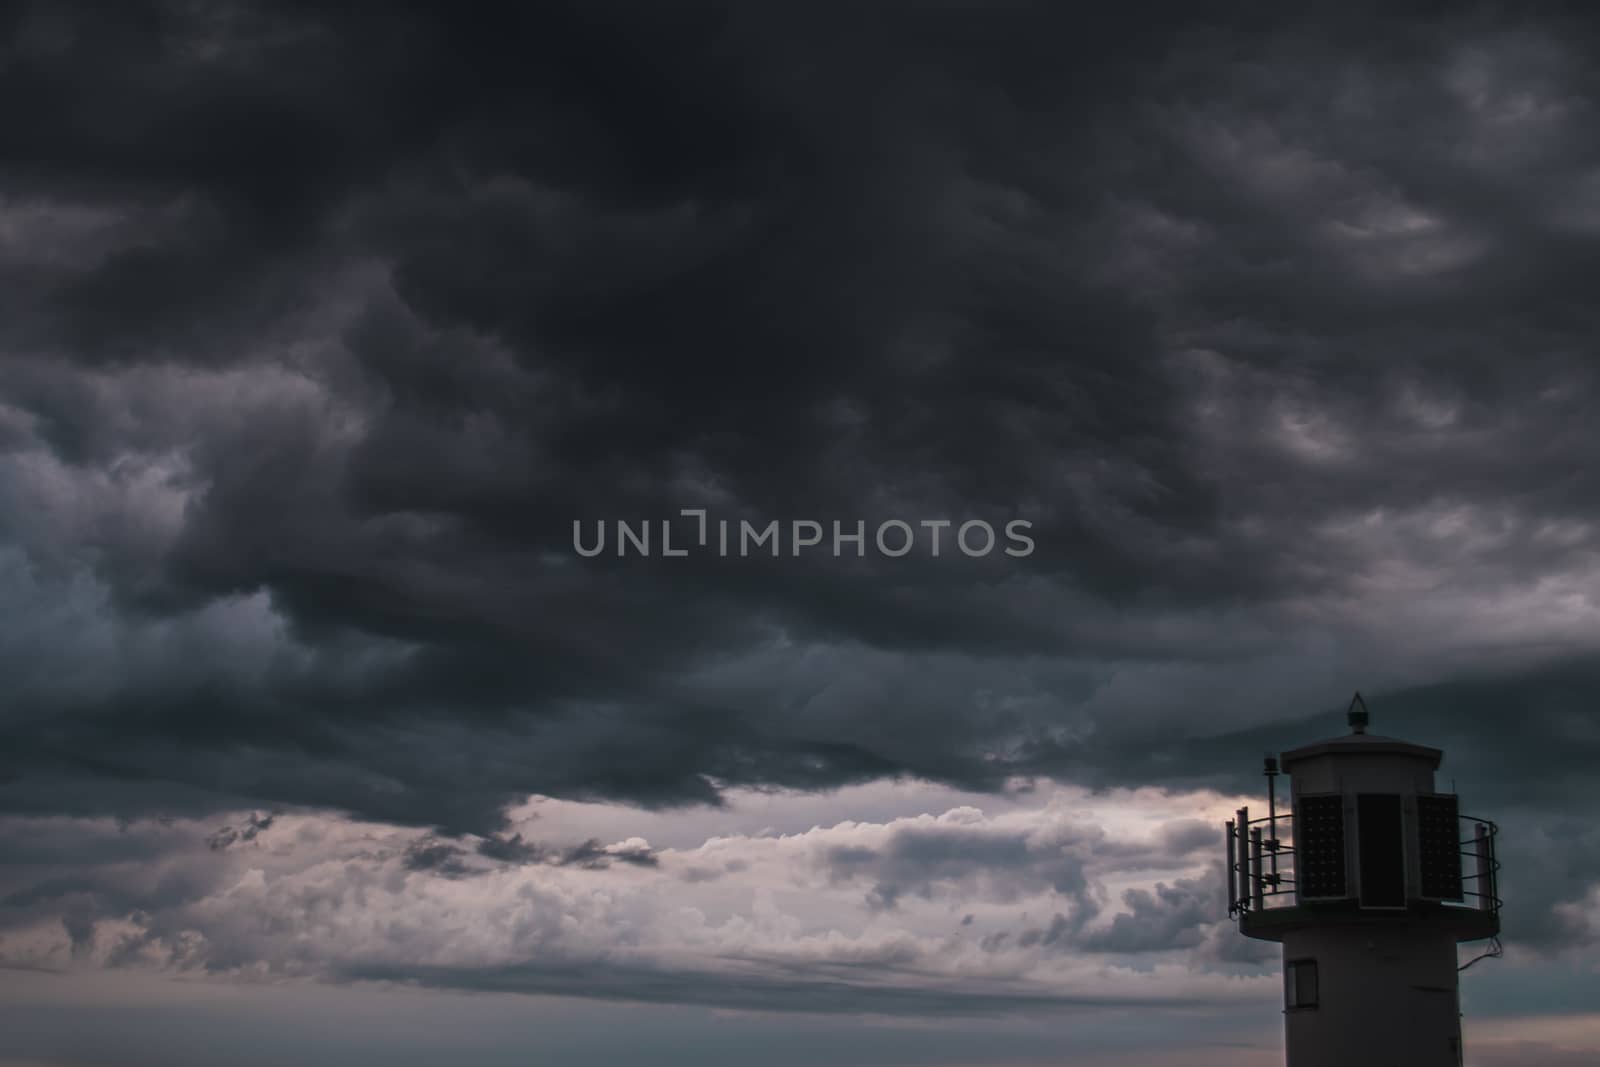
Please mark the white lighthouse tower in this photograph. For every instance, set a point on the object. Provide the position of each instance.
(1362, 882)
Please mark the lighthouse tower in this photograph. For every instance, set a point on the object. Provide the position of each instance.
(1369, 881)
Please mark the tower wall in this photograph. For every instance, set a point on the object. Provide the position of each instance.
(1387, 996)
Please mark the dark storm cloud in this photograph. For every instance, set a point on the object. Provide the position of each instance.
(254, 824)
(511, 848)
(591, 854)
(1163, 918)
(439, 857)
(322, 329)
(448, 859)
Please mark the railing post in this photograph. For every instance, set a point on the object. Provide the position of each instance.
(1272, 818)
(1233, 896)
(1255, 862)
(1242, 894)
(1484, 857)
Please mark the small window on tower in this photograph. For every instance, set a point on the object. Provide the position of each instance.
(1300, 984)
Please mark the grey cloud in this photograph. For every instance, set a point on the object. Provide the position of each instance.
(254, 825)
(1164, 918)
(437, 857)
(594, 855)
(969, 861)
(756, 993)
(511, 849)
(448, 859)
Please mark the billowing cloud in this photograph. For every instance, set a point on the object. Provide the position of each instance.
(920, 913)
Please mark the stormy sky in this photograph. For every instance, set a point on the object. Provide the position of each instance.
(320, 329)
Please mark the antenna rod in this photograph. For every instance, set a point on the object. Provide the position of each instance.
(1255, 861)
(1271, 772)
(1483, 857)
(1233, 865)
(1244, 857)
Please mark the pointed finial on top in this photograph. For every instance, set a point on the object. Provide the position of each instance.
(1357, 714)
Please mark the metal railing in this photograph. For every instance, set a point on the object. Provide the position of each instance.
(1485, 877)
(1261, 864)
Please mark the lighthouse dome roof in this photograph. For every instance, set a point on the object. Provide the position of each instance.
(1363, 744)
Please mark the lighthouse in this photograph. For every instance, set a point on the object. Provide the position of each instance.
(1369, 880)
